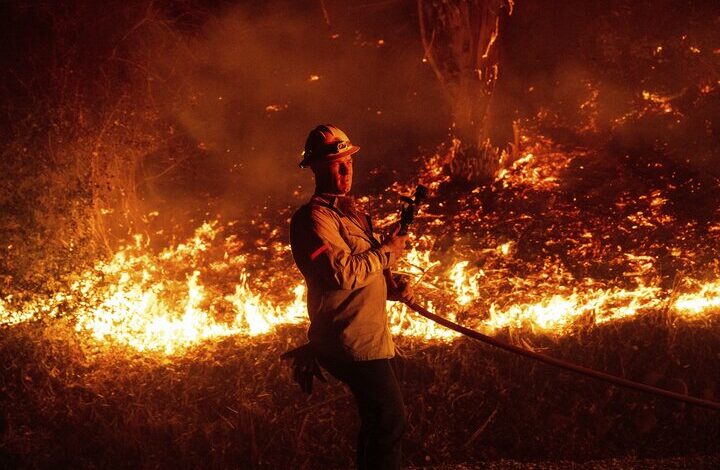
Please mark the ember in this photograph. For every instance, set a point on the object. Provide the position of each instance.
(185, 293)
(147, 287)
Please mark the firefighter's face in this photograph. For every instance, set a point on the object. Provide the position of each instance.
(334, 176)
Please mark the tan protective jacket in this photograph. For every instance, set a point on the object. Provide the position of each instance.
(342, 262)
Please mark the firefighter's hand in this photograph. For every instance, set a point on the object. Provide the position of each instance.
(400, 289)
(396, 243)
(406, 294)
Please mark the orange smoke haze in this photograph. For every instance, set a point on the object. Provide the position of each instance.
(255, 79)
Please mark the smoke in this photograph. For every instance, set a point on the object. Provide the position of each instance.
(254, 80)
(641, 75)
(212, 100)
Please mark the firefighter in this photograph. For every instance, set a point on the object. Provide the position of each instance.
(347, 268)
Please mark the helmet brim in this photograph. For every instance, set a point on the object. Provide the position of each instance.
(306, 162)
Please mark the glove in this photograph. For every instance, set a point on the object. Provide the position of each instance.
(399, 289)
(305, 367)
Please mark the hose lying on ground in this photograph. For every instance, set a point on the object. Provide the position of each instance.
(613, 379)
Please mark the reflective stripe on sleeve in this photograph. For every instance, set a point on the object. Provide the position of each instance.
(319, 251)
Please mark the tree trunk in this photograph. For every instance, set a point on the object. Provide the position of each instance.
(459, 38)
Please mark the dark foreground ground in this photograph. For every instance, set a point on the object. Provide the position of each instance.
(704, 462)
(232, 404)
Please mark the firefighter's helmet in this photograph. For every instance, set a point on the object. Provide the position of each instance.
(326, 142)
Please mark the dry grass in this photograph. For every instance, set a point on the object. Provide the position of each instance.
(67, 402)
(232, 404)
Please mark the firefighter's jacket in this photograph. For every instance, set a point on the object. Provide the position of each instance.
(342, 262)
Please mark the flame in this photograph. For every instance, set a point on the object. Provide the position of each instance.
(129, 300)
(695, 304)
(663, 102)
(210, 286)
(526, 171)
(10, 317)
(558, 312)
(256, 316)
(465, 286)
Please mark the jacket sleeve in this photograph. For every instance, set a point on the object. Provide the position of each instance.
(332, 259)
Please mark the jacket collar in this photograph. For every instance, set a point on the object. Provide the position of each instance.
(345, 206)
(332, 200)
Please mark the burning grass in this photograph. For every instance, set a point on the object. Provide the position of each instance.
(169, 357)
(164, 352)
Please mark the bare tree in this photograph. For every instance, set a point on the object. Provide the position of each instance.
(459, 38)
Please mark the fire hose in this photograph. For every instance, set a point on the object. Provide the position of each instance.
(407, 214)
(578, 369)
(305, 367)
